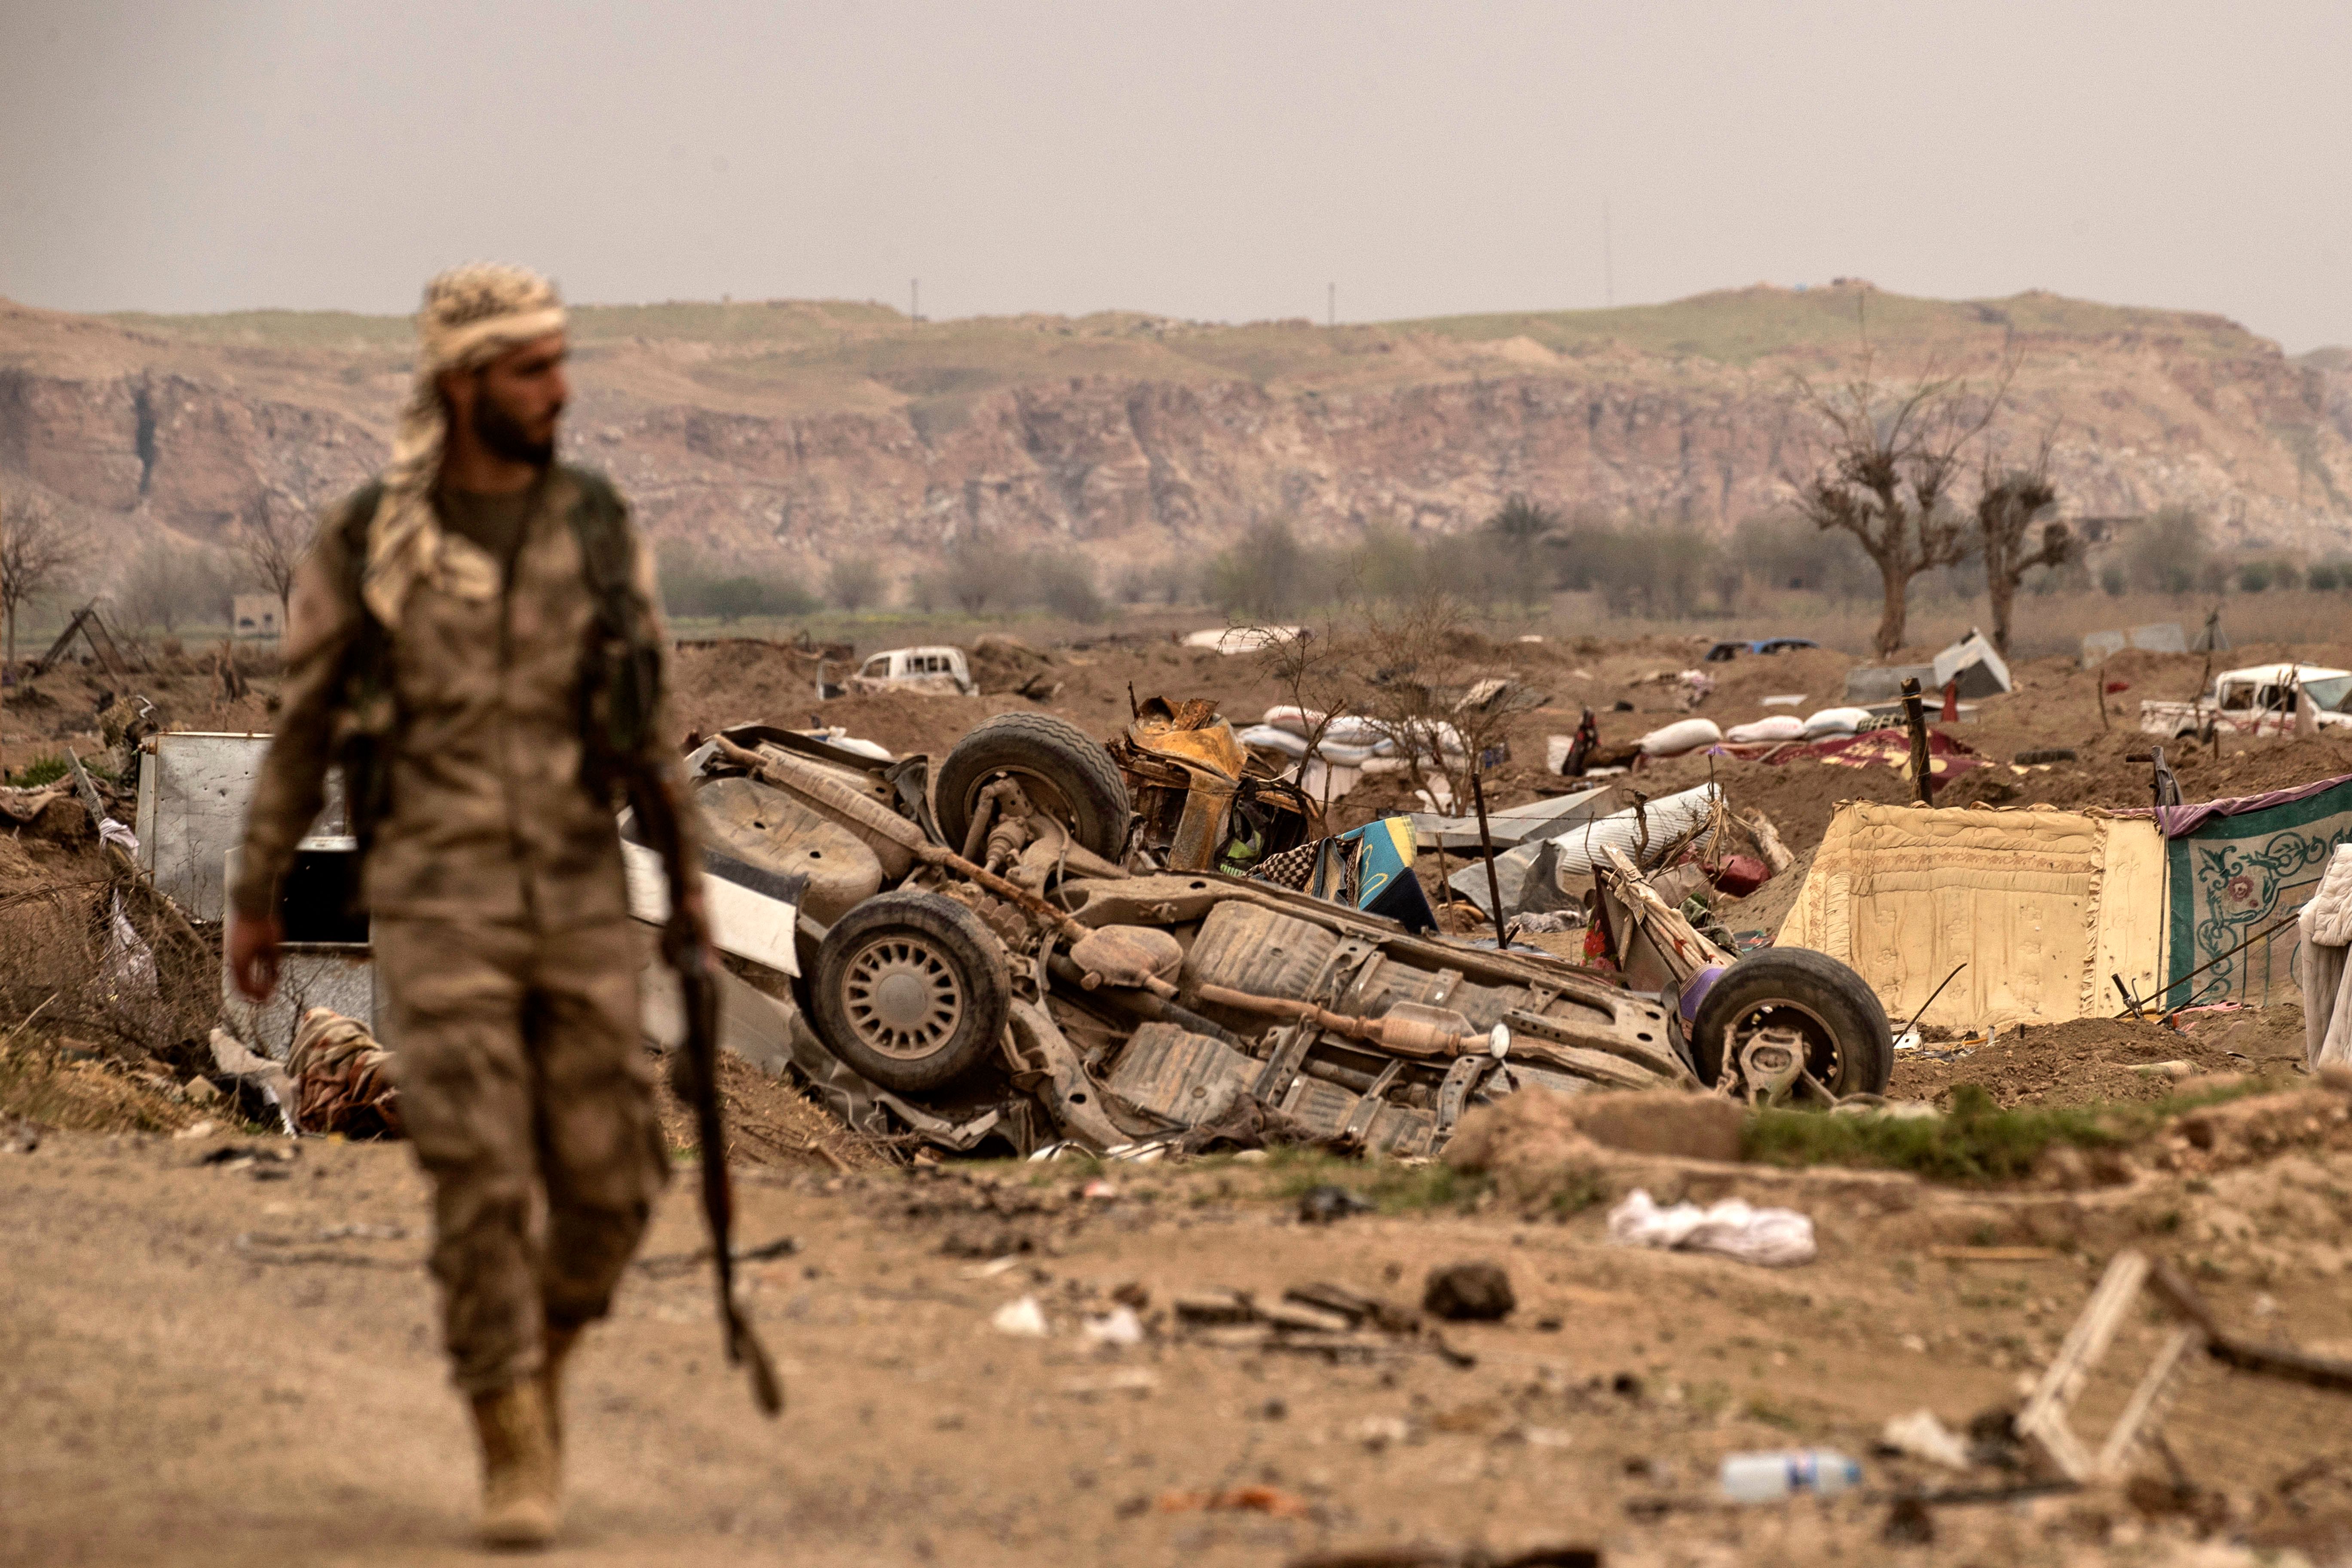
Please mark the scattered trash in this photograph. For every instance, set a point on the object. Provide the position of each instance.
(1418, 1556)
(1328, 1205)
(1473, 1292)
(1784, 700)
(1237, 1500)
(1923, 1436)
(1136, 1380)
(1211, 1307)
(1022, 1319)
(1775, 1238)
(1772, 1475)
(1378, 1432)
(1120, 1328)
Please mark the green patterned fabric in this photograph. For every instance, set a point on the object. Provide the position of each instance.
(2233, 878)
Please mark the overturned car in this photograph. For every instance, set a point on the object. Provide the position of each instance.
(1000, 951)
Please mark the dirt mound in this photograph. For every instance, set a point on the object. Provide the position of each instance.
(769, 1123)
(2088, 1061)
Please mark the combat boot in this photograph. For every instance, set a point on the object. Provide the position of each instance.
(559, 1342)
(520, 1471)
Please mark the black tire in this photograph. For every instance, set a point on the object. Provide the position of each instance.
(1849, 1047)
(910, 990)
(1062, 769)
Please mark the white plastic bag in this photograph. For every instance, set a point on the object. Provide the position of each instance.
(1776, 1239)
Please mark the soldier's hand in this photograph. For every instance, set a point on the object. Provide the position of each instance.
(253, 955)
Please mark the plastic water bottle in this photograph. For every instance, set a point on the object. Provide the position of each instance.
(1769, 1475)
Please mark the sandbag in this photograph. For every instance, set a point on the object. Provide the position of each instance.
(1347, 729)
(1774, 727)
(1836, 721)
(1684, 735)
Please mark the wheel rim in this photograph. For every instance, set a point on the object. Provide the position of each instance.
(1823, 1060)
(903, 997)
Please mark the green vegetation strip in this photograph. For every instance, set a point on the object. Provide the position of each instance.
(1975, 1141)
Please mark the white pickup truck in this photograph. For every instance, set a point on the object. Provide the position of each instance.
(2257, 700)
(930, 671)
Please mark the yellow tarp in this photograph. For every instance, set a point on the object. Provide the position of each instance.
(2041, 905)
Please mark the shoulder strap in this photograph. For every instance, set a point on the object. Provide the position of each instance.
(600, 521)
(357, 513)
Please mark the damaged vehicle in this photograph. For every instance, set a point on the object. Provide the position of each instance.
(1037, 941)
(933, 671)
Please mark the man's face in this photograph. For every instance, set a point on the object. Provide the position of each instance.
(517, 399)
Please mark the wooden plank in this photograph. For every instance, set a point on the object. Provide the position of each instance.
(2116, 1451)
(2044, 1418)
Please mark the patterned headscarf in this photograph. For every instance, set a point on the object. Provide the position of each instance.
(471, 315)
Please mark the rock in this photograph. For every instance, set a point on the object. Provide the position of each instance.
(201, 1091)
(1471, 1292)
(1327, 1204)
(204, 1129)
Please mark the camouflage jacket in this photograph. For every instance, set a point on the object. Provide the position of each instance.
(488, 818)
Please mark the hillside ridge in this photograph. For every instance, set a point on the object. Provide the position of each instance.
(792, 431)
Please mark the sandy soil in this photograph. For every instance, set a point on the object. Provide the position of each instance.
(208, 1367)
(231, 1362)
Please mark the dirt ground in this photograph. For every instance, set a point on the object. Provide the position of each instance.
(237, 1362)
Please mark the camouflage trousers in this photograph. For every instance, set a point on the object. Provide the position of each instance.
(531, 1105)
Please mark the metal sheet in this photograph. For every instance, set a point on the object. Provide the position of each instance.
(193, 791)
(749, 923)
(1180, 1076)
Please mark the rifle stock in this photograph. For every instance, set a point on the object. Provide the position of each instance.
(657, 818)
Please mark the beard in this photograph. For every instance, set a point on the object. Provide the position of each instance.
(503, 434)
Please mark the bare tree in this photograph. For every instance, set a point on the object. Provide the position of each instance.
(1435, 690)
(39, 553)
(1887, 474)
(1312, 669)
(2007, 506)
(272, 537)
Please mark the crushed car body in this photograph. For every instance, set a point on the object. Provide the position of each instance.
(1037, 942)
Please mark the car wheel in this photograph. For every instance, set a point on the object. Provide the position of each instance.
(1061, 768)
(910, 990)
(1848, 1046)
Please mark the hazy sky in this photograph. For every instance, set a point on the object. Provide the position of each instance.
(1213, 161)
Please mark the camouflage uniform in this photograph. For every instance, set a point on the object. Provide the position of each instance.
(501, 928)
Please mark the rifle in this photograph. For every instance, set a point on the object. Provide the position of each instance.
(694, 1075)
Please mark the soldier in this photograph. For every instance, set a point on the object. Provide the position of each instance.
(473, 637)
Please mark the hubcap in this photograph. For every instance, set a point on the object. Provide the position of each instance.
(904, 999)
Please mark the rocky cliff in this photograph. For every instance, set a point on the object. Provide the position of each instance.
(793, 432)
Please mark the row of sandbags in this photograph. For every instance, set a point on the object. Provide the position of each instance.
(1350, 740)
(1693, 734)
